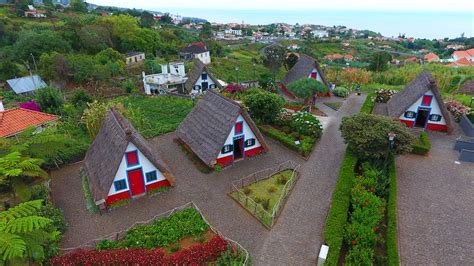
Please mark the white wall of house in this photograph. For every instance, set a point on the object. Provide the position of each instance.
(248, 134)
(204, 57)
(135, 59)
(200, 81)
(435, 109)
(318, 76)
(144, 163)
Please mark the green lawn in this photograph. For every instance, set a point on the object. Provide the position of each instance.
(269, 189)
(334, 105)
(154, 116)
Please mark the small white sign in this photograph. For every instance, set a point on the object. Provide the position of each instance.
(297, 142)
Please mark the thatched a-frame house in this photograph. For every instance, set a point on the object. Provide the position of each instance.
(121, 164)
(306, 67)
(200, 78)
(220, 131)
(419, 105)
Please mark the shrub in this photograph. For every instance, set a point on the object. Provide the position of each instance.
(392, 236)
(264, 106)
(280, 136)
(341, 92)
(306, 124)
(360, 256)
(422, 145)
(175, 247)
(271, 189)
(367, 135)
(231, 88)
(258, 199)
(457, 109)
(266, 203)
(306, 87)
(49, 99)
(282, 179)
(81, 98)
(217, 168)
(368, 104)
(30, 105)
(247, 191)
(383, 95)
(338, 212)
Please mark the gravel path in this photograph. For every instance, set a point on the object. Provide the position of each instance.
(435, 206)
(297, 235)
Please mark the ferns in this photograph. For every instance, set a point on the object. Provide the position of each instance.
(11, 246)
(21, 210)
(27, 224)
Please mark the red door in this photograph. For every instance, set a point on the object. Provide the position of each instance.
(135, 179)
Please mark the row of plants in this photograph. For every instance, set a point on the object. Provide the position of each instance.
(162, 232)
(217, 250)
(422, 145)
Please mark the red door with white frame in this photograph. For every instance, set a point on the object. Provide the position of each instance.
(137, 184)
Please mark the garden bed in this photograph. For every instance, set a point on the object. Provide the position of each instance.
(264, 193)
(179, 237)
(334, 105)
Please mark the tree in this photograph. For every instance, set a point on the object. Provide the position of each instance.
(8, 70)
(264, 106)
(166, 18)
(78, 6)
(367, 136)
(274, 57)
(306, 87)
(50, 100)
(22, 232)
(291, 60)
(379, 61)
(146, 19)
(206, 31)
(35, 43)
(93, 117)
(216, 48)
(81, 98)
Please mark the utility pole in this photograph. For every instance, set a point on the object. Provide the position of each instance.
(34, 62)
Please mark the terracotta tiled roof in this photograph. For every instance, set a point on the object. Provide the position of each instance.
(461, 54)
(13, 121)
(470, 52)
(431, 57)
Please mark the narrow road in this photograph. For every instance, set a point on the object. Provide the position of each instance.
(294, 240)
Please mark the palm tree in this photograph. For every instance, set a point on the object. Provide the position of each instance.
(22, 232)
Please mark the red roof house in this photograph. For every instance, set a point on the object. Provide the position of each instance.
(14, 121)
(431, 57)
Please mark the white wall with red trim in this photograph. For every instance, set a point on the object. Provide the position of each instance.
(248, 134)
(318, 75)
(143, 162)
(435, 109)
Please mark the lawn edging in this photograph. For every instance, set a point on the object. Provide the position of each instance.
(90, 204)
(368, 104)
(392, 234)
(339, 209)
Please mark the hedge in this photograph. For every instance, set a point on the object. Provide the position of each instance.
(391, 238)
(339, 209)
(281, 137)
(368, 105)
(421, 146)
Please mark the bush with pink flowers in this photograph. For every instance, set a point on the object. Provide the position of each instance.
(457, 109)
(231, 88)
(30, 105)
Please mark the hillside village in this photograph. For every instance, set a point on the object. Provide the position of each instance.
(147, 138)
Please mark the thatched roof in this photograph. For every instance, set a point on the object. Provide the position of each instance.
(193, 75)
(302, 69)
(208, 125)
(106, 152)
(401, 101)
(468, 87)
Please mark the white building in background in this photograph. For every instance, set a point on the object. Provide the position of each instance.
(233, 32)
(171, 79)
(320, 33)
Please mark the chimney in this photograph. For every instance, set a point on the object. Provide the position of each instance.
(164, 69)
(1, 104)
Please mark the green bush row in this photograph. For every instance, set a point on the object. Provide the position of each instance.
(161, 232)
(338, 212)
(391, 238)
(368, 105)
(306, 143)
(422, 145)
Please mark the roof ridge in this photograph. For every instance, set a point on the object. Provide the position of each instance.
(33, 111)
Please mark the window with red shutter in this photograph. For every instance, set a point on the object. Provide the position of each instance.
(132, 158)
(426, 101)
(239, 128)
(314, 75)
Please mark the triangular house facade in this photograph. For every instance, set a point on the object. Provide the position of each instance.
(419, 105)
(306, 67)
(121, 164)
(220, 131)
(200, 79)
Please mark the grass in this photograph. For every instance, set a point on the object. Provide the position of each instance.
(90, 204)
(334, 105)
(462, 98)
(154, 116)
(368, 105)
(339, 210)
(286, 139)
(270, 189)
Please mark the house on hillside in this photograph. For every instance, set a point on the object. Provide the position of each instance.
(220, 131)
(134, 57)
(468, 87)
(14, 121)
(121, 165)
(196, 50)
(171, 79)
(463, 62)
(430, 58)
(26, 85)
(200, 79)
(467, 54)
(412, 60)
(418, 105)
(306, 67)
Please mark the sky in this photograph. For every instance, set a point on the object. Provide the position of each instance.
(367, 5)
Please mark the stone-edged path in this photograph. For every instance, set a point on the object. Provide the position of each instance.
(294, 240)
(436, 206)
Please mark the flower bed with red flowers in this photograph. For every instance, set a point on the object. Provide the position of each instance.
(196, 255)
